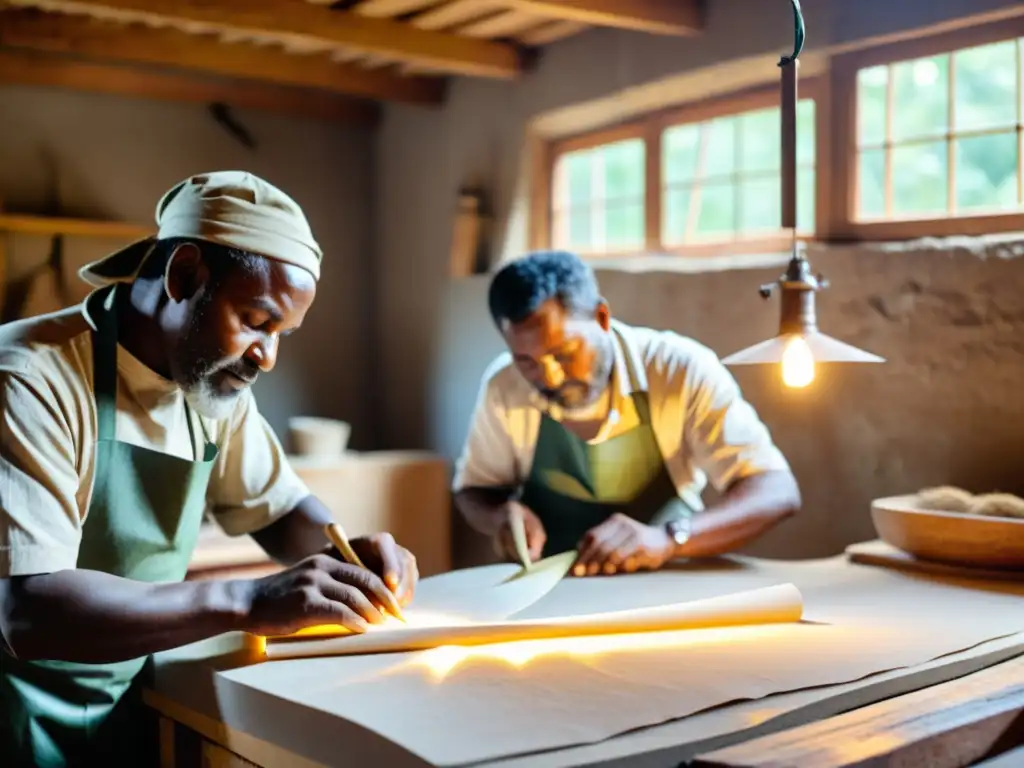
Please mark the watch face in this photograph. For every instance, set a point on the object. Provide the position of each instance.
(679, 530)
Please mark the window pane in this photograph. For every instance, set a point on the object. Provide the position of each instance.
(679, 152)
(717, 209)
(759, 204)
(871, 87)
(580, 229)
(871, 183)
(805, 131)
(921, 98)
(623, 169)
(577, 170)
(760, 140)
(986, 171)
(675, 213)
(805, 193)
(986, 86)
(624, 226)
(721, 150)
(919, 179)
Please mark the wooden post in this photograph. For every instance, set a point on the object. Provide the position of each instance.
(789, 101)
(167, 758)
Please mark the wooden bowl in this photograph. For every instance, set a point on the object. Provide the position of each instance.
(949, 537)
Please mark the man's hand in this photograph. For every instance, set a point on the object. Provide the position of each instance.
(622, 545)
(535, 534)
(315, 591)
(394, 564)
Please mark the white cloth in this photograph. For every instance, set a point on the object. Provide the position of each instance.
(48, 443)
(232, 208)
(704, 427)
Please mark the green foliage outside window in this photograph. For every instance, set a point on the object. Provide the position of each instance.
(950, 144)
(601, 207)
(722, 177)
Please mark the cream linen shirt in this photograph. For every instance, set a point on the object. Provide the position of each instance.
(48, 443)
(704, 427)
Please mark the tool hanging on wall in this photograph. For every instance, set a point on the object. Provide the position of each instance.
(799, 344)
(470, 234)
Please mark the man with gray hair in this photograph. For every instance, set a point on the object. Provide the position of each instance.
(125, 420)
(597, 436)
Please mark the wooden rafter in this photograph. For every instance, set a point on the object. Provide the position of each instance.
(30, 68)
(551, 32)
(283, 18)
(504, 24)
(387, 8)
(670, 17)
(454, 14)
(59, 33)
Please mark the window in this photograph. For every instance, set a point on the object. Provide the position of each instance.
(930, 130)
(938, 136)
(691, 181)
(598, 198)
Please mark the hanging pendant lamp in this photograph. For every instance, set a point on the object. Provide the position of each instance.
(799, 345)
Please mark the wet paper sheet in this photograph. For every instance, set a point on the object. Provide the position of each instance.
(469, 705)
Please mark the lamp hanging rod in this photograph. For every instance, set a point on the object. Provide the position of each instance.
(790, 66)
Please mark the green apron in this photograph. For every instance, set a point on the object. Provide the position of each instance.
(574, 485)
(142, 524)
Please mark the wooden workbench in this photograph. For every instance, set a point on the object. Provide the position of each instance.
(214, 699)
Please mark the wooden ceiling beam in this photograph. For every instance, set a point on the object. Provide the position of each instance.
(664, 17)
(135, 44)
(393, 40)
(45, 70)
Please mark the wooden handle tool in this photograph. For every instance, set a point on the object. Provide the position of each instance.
(518, 525)
(336, 534)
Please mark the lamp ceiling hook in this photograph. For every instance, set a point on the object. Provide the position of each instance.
(799, 33)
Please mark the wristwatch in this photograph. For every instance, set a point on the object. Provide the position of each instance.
(679, 530)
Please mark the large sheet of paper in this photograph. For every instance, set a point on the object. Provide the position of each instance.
(460, 706)
(675, 742)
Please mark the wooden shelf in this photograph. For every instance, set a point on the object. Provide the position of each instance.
(47, 225)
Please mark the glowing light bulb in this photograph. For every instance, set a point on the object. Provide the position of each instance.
(797, 363)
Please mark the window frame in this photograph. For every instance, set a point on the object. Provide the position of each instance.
(650, 128)
(843, 69)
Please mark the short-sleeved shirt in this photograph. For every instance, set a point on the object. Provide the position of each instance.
(48, 443)
(703, 425)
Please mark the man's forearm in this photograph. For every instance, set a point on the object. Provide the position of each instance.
(298, 534)
(748, 509)
(93, 617)
(483, 508)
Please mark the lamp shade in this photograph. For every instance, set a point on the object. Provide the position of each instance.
(824, 349)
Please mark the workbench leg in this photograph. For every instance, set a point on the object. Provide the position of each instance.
(167, 743)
